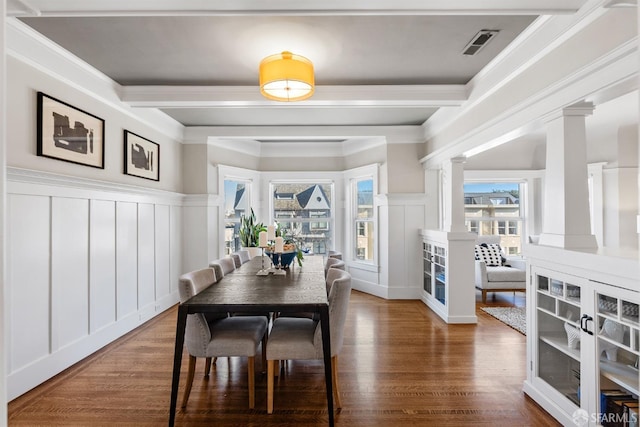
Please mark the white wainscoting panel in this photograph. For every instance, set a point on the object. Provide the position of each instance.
(175, 241)
(102, 264)
(88, 262)
(162, 251)
(69, 271)
(28, 291)
(146, 257)
(127, 258)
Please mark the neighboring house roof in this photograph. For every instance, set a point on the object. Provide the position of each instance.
(313, 197)
(239, 196)
(500, 198)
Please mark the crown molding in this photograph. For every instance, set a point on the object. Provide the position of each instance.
(288, 7)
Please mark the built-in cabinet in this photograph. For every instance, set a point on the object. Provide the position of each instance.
(435, 271)
(583, 345)
(447, 264)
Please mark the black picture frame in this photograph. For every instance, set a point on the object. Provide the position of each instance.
(141, 157)
(56, 138)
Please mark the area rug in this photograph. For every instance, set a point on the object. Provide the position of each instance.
(513, 316)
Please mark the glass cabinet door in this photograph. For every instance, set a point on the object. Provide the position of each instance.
(427, 256)
(616, 329)
(440, 272)
(558, 313)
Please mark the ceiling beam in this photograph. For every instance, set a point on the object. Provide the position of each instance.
(249, 96)
(289, 7)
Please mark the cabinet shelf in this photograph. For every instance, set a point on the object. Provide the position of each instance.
(559, 342)
(621, 374)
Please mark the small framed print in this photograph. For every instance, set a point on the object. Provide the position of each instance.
(141, 157)
(68, 133)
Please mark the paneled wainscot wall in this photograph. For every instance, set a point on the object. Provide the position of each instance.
(87, 261)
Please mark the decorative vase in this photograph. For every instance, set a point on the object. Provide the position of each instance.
(285, 260)
(254, 251)
(573, 335)
(613, 331)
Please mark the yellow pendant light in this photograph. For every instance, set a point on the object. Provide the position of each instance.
(286, 77)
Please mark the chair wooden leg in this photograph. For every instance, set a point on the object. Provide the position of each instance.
(251, 368)
(334, 379)
(484, 296)
(207, 366)
(187, 390)
(264, 352)
(270, 374)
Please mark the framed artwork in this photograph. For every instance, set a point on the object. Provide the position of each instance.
(141, 157)
(68, 133)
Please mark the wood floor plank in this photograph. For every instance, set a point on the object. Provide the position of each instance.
(400, 364)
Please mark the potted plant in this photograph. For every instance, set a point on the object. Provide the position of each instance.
(249, 233)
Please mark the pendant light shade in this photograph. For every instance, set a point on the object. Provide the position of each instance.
(286, 77)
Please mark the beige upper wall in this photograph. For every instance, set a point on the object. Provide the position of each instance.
(24, 81)
(194, 169)
(295, 164)
(401, 159)
(404, 170)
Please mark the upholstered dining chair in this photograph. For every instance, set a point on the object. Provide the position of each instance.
(240, 257)
(301, 338)
(335, 254)
(223, 266)
(333, 263)
(219, 336)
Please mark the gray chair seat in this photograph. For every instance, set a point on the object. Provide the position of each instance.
(301, 338)
(216, 335)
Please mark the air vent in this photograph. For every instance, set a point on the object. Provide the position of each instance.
(479, 41)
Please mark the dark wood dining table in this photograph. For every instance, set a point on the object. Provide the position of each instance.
(301, 289)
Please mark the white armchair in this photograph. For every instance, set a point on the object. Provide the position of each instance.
(502, 278)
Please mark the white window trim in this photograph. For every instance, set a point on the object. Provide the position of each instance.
(232, 173)
(350, 177)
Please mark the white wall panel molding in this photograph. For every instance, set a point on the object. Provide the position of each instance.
(89, 261)
(203, 200)
(27, 181)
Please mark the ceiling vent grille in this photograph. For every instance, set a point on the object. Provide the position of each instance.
(479, 41)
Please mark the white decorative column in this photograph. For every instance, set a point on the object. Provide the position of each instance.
(567, 222)
(453, 194)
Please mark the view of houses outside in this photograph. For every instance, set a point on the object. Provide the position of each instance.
(236, 204)
(364, 225)
(303, 212)
(494, 209)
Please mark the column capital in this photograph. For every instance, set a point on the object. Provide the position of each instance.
(582, 108)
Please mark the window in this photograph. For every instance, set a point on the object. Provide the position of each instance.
(364, 219)
(472, 226)
(236, 204)
(493, 208)
(298, 206)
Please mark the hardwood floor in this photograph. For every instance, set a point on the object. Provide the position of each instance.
(400, 365)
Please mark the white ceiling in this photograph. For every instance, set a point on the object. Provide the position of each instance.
(391, 62)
